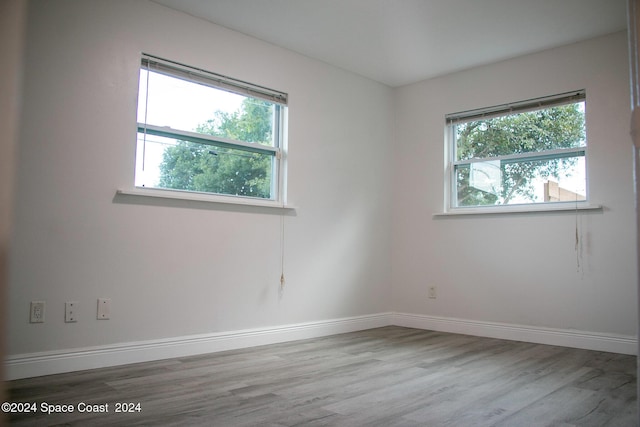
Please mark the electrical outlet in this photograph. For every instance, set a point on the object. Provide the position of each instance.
(36, 312)
(71, 312)
(104, 308)
(432, 292)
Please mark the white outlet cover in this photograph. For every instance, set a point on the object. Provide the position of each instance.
(71, 311)
(104, 308)
(36, 312)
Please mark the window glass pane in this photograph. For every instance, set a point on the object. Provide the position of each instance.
(231, 158)
(533, 131)
(180, 104)
(175, 164)
(504, 182)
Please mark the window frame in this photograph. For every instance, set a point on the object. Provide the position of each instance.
(451, 163)
(277, 151)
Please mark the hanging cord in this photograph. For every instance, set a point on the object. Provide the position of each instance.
(578, 242)
(282, 280)
(577, 245)
(146, 109)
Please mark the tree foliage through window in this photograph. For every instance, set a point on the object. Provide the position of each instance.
(209, 168)
(532, 132)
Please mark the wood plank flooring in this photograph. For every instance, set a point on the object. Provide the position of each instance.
(386, 377)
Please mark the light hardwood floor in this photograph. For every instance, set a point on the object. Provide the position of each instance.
(384, 377)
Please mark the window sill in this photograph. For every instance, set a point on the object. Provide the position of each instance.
(213, 199)
(520, 209)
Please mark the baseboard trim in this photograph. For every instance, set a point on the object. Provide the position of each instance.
(56, 362)
(622, 344)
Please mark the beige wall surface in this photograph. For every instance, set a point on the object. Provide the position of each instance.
(522, 269)
(366, 172)
(175, 269)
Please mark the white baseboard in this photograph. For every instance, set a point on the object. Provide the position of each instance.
(56, 362)
(622, 344)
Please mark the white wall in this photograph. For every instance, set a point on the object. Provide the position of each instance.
(179, 269)
(519, 269)
(365, 173)
(12, 27)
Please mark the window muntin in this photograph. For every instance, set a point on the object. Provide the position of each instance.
(203, 132)
(525, 153)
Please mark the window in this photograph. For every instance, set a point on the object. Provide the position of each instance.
(532, 152)
(206, 133)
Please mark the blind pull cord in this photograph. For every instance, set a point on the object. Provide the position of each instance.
(282, 279)
(146, 112)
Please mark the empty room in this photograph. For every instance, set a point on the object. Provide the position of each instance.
(345, 213)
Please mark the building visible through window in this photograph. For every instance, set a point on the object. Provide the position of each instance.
(529, 152)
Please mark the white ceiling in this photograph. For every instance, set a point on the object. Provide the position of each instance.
(397, 42)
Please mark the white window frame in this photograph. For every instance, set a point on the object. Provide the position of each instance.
(450, 207)
(218, 81)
